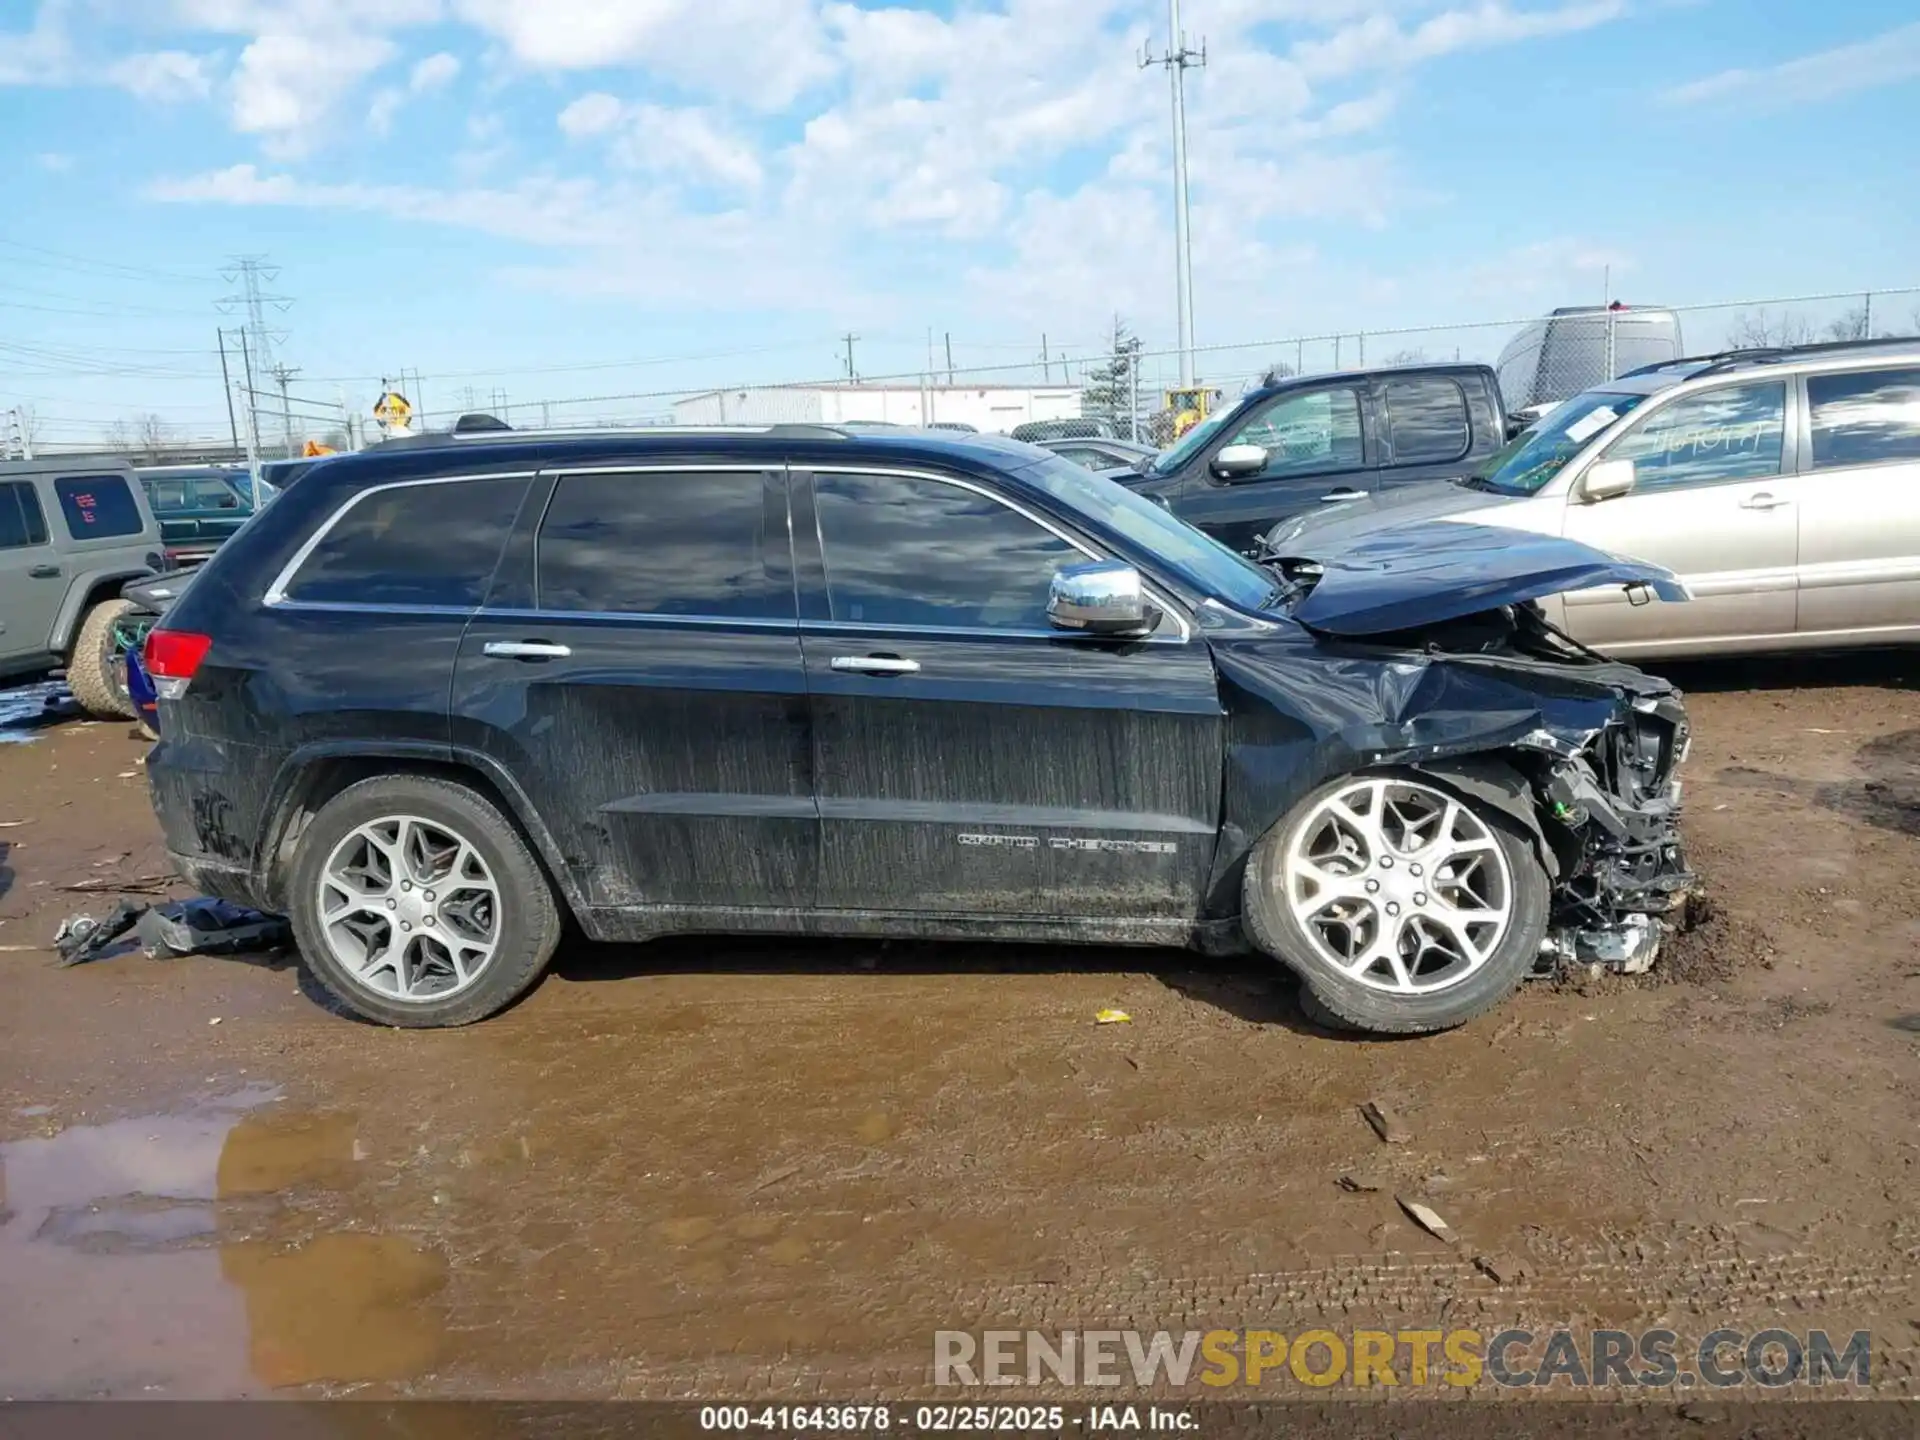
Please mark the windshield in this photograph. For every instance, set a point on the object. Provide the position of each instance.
(1535, 456)
(1188, 445)
(1195, 557)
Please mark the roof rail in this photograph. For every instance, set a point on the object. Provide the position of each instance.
(1724, 360)
(484, 429)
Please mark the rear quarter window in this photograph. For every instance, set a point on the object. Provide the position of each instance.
(1867, 417)
(434, 543)
(22, 522)
(98, 507)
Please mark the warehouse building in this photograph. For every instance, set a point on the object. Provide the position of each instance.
(985, 408)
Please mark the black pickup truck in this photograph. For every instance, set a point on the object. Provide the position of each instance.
(1291, 443)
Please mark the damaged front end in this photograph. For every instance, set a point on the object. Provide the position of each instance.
(1467, 680)
(1610, 809)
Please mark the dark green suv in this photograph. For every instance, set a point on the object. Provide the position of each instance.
(198, 507)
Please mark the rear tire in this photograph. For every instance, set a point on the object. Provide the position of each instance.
(1424, 910)
(436, 828)
(97, 671)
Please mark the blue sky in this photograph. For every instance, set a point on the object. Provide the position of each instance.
(579, 198)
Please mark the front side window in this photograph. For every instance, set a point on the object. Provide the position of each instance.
(1314, 433)
(413, 545)
(1426, 420)
(22, 522)
(906, 551)
(694, 543)
(1868, 417)
(1736, 432)
(98, 507)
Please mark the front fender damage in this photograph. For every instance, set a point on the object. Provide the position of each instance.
(1579, 751)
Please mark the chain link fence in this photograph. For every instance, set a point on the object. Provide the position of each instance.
(1541, 359)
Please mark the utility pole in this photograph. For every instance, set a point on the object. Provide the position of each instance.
(849, 338)
(1177, 61)
(949, 357)
(282, 374)
(1046, 365)
(226, 384)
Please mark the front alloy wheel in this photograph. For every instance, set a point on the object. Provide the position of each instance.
(1402, 905)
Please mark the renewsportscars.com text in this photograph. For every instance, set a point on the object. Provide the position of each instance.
(1601, 1359)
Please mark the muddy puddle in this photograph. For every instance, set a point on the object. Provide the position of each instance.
(25, 710)
(177, 1255)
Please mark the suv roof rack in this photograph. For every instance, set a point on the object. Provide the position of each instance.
(1725, 360)
(479, 429)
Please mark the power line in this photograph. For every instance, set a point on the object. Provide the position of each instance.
(63, 260)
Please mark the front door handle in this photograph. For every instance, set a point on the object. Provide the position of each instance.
(1761, 500)
(45, 572)
(875, 665)
(525, 650)
(1333, 497)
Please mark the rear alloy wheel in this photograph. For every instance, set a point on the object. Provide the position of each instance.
(417, 903)
(1402, 906)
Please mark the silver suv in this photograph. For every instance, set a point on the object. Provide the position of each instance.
(1781, 486)
(71, 534)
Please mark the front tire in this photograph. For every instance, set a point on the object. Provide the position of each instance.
(416, 903)
(97, 671)
(1403, 907)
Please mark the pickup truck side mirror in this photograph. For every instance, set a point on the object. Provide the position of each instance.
(1237, 462)
(1606, 480)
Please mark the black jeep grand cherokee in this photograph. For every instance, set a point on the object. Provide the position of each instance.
(439, 697)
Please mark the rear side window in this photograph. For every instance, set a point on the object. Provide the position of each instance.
(903, 551)
(1426, 420)
(1869, 417)
(1736, 432)
(22, 522)
(429, 544)
(694, 543)
(98, 507)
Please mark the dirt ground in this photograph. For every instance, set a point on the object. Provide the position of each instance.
(717, 1167)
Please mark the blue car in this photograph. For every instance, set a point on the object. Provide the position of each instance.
(150, 599)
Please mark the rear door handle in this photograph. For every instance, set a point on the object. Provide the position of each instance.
(45, 572)
(525, 650)
(875, 665)
(1335, 496)
(1761, 500)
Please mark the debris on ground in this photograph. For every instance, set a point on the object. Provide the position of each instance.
(1428, 1219)
(112, 885)
(201, 926)
(1385, 1123)
(1500, 1268)
(1358, 1184)
(1113, 1017)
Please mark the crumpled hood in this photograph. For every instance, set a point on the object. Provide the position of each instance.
(1395, 505)
(1398, 577)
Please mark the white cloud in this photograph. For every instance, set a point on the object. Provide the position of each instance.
(286, 84)
(762, 54)
(591, 114)
(1886, 59)
(1379, 42)
(55, 161)
(41, 54)
(436, 72)
(164, 75)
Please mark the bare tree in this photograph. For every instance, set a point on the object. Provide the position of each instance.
(119, 437)
(1415, 356)
(152, 431)
(1853, 325)
(1755, 330)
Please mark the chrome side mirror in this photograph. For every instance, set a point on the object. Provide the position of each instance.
(1236, 462)
(1104, 597)
(1606, 480)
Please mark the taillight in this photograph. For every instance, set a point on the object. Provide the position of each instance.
(172, 657)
